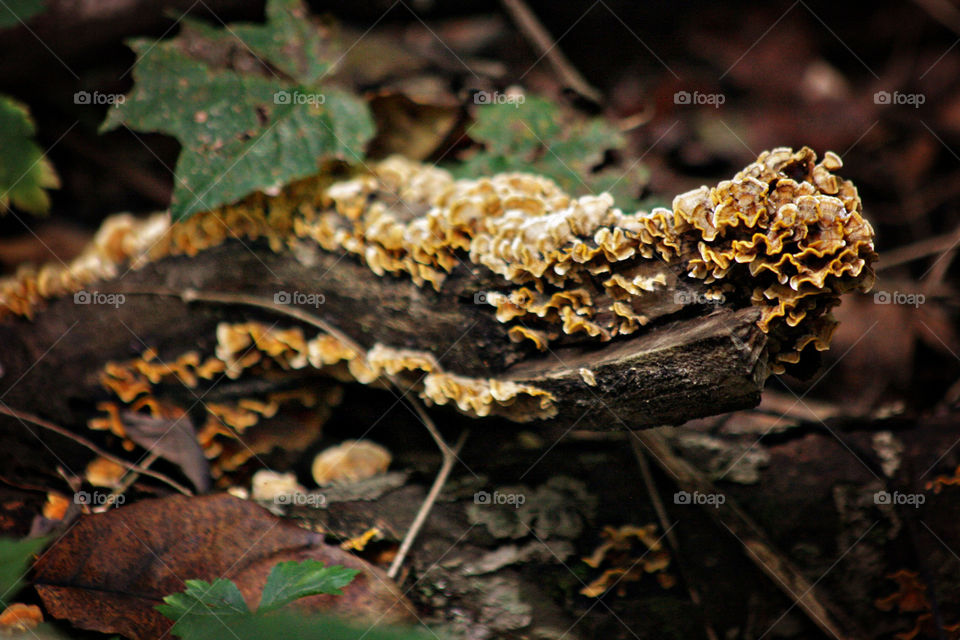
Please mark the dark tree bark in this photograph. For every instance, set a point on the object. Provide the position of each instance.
(706, 361)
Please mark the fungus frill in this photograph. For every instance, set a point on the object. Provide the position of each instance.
(785, 235)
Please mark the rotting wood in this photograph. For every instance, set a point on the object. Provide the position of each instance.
(601, 320)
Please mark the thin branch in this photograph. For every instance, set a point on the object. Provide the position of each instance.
(918, 250)
(758, 549)
(23, 416)
(538, 36)
(943, 11)
(449, 459)
(129, 478)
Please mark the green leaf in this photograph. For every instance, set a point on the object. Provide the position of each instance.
(202, 608)
(200, 598)
(25, 172)
(288, 41)
(534, 137)
(242, 132)
(13, 12)
(218, 610)
(16, 556)
(289, 581)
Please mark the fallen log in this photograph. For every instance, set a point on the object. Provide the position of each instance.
(498, 296)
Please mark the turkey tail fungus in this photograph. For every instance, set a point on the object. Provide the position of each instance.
(500, 295)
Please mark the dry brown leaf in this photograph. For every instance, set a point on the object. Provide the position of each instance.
(110, 571)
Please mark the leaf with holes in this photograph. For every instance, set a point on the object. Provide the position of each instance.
(243, 131)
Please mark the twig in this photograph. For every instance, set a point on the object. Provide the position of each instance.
(534, 31)
(128, 479)
(917, 250)
(760, 551)
(23, 416)
(449, 458)
(943, 11)
(670, 532)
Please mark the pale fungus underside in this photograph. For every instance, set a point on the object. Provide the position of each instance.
(499, 295)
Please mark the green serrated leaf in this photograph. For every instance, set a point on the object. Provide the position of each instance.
(13, 12)
(222, 598)
(289, 581)
(218, 610)
(532, 136)
(243, 133)
(16, 556)
(203, 607)
(25, 173)
(288, 40)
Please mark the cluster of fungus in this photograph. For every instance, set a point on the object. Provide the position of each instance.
(228, 435)
(242, 345)
(231, 432)
(785, 235)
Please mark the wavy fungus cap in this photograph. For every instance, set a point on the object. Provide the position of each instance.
(800, 232)
(785, 235)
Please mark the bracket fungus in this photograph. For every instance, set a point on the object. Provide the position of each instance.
(783, 238)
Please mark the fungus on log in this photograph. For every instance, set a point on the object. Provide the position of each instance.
(498, 295)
